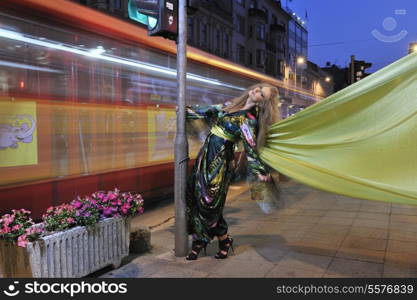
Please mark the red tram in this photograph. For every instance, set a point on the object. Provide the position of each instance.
(86, 103)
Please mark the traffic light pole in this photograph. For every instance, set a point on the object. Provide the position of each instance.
(352, 69)
(181, 143)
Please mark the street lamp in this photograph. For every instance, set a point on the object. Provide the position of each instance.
(327, 79)
(298, 61)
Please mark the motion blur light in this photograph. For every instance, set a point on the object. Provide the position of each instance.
(114, 59)
(98, 51)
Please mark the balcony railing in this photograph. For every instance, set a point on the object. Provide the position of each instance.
(271, 47)
(256, 12)
(277, 28)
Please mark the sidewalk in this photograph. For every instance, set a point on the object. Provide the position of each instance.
(312, 234)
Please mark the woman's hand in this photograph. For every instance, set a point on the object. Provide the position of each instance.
(264, 177)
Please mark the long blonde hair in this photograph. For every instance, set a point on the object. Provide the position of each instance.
(268, 111)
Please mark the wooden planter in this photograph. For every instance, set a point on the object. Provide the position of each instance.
(73, 253)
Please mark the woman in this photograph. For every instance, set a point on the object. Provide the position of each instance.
(246, 118)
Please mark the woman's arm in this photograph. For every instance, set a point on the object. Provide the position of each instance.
(203, 112)
(248, 131)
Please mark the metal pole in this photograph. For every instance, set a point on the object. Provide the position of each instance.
(181, 143)
(295, 72)
(352, 69)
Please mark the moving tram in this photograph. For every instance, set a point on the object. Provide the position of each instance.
(87, 103)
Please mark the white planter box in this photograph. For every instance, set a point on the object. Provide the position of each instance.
(74, 253)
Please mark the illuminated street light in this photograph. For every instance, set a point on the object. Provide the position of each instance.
(412, 47)
(300, 60)
(327, 79)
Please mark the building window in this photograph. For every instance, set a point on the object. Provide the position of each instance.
(204, 34)
(260, 31)
(253, 4)
(197, 30)
(191, 30)
(241, 2)
(280, 44)
(274, 19)
(266, 13)
(240, 25)
(250, 58)
(260, 58)
(241, 53)
(218, 45)
(117, 4)
(251, 31)
(226, 45)
(280, 67)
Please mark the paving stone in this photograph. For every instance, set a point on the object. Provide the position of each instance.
(398, 271)
(352, 241)
(369, 232)
(312, 212)
(361, 254)
(250, 263)
(371, 223)
(375, 207)
(340, 267)
(299, 264)
(404, 219)
(402, 235)
(336, 221)
(404, 210)
(340, 214)
(403, 259)
(373, 216)
(402, 226)
(178, 272)
(402, 246)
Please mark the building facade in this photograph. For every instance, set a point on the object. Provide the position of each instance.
(258, 34)
(117, 8)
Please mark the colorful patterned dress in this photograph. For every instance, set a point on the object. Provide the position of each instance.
(209, 182)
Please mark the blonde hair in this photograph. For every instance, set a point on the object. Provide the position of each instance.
(268, 111)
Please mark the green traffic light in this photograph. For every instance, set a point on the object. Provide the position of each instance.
(135, 15)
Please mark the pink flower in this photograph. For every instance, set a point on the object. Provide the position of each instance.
(22, 240)
(7, 219)
(108, 211)
(112, 196)
(25, 211)
(17, 227)
(5, 229)
(125, 208)
(77, 204)
(33, 230)
(70, 220)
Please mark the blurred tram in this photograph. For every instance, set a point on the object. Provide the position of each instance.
(87, 103)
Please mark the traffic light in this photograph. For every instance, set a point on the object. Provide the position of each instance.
(161, 16)
(358, 71)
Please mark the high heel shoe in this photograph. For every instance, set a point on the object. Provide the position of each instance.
(196, 248)
(224, 246)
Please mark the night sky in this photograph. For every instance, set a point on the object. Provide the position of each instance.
(377, 31)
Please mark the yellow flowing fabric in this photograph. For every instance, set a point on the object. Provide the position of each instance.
(359, 142)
